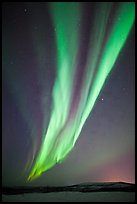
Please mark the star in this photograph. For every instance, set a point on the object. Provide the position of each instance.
(35, 27)
(102, 99)
(14, 21)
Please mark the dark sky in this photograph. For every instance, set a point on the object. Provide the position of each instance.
(105, 148)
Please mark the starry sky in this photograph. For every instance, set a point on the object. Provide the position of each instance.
(105, 149)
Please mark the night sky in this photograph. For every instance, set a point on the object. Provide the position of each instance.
(105, 148)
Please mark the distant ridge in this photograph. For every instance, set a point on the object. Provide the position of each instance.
(82, 187)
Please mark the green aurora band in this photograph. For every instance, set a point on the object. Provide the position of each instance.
(70, 110)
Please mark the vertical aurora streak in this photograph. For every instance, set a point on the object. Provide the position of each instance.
(74, 95)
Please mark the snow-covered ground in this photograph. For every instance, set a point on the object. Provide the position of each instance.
(72, 197)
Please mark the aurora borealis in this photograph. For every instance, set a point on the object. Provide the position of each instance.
(72, 105)
(57, 91)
